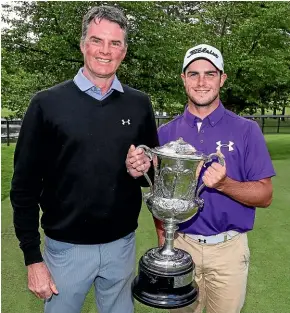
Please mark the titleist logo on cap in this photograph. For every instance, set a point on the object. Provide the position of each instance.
(202, 50)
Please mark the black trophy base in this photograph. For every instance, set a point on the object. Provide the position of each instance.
(164, 290)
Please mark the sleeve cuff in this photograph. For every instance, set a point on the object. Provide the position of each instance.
(32, 256)
(262, 176)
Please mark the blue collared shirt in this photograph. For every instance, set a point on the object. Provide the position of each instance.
(89, 88)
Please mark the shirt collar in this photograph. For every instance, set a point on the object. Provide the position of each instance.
(213, 118)
(85, 84)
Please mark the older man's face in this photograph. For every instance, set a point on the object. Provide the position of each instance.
(202, 82)
(104, 48)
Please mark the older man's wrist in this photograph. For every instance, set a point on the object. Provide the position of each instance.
(128, 171)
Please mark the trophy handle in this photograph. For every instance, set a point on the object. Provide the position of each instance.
(208, 159)
(147, 152)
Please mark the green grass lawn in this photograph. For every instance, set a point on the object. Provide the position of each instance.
(268, 284)
(6, 169)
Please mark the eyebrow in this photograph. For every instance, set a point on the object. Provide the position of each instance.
(206, 72)
(94, 37)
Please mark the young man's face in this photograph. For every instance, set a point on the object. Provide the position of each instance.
(202, 82)
(104, 48)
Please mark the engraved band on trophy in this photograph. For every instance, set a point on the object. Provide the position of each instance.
(166, 274)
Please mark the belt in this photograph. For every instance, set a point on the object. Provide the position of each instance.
(214, 239)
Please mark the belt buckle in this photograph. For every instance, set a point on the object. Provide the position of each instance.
(201, 240)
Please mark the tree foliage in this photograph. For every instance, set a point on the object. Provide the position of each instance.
(41, 48)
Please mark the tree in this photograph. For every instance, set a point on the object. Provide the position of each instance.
(44, 39)
(43, 42)
(18, 85)
(254, 38)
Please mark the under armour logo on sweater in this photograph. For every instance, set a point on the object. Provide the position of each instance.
(126, 122)
(229, 145)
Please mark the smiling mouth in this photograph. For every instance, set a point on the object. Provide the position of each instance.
(103, 60)
(202, 91)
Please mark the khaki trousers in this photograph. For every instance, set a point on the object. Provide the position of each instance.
(221, 274)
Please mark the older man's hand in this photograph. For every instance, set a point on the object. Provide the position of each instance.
(40, 281)
(137, 162)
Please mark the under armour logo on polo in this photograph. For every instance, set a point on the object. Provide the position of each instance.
(126, 122)
(229, 145)
(202, 240)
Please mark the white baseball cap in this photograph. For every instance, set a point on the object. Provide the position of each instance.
(203, 51)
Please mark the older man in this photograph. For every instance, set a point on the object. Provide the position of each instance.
(70, 160)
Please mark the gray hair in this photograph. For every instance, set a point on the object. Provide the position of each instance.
(109, 13)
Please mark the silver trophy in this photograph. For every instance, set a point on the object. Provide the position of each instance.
(166, 274)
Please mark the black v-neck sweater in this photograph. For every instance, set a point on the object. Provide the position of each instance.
(70, 160)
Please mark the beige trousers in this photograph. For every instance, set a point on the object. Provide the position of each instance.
(221, 274)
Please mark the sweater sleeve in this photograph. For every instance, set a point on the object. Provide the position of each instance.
(27, 183)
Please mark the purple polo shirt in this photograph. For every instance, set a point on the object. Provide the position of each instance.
(247, 159)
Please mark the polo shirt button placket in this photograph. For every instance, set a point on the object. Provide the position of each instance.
(201, 136)
(201, 140)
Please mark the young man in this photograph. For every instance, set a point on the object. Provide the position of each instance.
(70, 160)
(216, 237)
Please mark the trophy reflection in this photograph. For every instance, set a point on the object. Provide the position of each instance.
(166, 274)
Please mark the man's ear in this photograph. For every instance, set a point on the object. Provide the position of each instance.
(223, 79)
(125, 52)
(82, 46)
(183, 78)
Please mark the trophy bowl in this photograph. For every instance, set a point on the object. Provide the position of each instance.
(166, 274)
